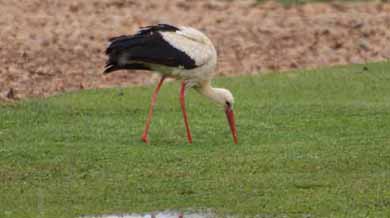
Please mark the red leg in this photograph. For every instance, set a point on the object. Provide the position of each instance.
(183, 109)
(149, 119)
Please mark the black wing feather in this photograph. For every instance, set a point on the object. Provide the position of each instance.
(147, 46)
(155, 28)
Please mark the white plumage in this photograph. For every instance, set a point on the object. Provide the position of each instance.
(194, 43)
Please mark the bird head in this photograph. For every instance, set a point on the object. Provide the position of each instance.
(225, 98)
(228, 99)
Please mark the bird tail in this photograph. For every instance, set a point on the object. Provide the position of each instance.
(119, 53)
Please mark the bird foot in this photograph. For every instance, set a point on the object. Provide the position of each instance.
(144, 138)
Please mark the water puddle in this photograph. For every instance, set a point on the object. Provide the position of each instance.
(163, 214)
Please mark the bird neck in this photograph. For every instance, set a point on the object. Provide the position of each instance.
(214, 94)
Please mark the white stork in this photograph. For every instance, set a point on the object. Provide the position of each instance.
(179, 52)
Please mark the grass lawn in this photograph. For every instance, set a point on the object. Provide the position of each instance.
(312, 143)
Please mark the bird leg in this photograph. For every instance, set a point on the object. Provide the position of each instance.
(183, 109)
(150, 114)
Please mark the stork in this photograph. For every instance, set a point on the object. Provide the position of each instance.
(178, 52)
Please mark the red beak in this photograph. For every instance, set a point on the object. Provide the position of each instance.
(232, 124)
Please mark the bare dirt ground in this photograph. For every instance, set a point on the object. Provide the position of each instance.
(50, 46)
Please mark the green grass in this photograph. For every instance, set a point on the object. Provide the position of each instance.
(313, 143)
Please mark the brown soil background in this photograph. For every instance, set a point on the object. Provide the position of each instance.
(50, 46)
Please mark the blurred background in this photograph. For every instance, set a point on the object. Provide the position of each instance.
(51, 46)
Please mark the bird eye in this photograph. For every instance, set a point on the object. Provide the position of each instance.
(228, 103)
